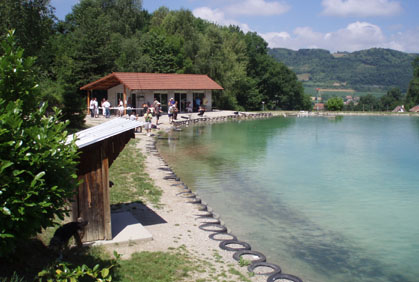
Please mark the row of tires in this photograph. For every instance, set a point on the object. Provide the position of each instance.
(219, 232)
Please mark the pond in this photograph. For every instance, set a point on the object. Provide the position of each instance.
(328, 199)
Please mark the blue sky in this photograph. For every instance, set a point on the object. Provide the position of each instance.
(335, 25)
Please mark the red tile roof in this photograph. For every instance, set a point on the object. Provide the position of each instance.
(154, 81)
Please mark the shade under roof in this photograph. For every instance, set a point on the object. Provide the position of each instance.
(154, 81)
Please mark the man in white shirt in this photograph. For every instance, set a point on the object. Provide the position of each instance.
(107, 107)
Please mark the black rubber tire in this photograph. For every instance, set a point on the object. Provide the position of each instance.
(212, 236)
(237, 255)
(211, 220)
(208, 215)
(186, 194)
(220, 228)
(275, 268)
(202, 207)
(224, 245)
(195, 201)
(278, 276)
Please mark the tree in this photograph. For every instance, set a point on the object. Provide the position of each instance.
(368, 103)
(37, 164)
(33, 23)
(392, 99)
(412, 96)
(334, 104)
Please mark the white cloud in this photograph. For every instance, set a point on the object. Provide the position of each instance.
(363, 8)
(258, 8)
(218, 17)
(355, 36)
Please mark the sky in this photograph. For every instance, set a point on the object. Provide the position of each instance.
(334, 25)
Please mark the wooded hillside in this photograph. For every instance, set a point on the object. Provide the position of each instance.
(103, 36)
(361, 70)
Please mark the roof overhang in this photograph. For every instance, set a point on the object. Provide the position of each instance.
(103, 131)
(154, 81)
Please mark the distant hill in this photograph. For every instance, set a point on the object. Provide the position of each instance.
(362, 70)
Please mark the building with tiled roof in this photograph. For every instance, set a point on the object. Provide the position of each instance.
(135, 89)
(415, 109)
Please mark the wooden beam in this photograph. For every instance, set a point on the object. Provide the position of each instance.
(88, 102)
(105, 190)
(125, 99)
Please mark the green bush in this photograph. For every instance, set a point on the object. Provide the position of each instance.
(37, 164)
(334, 104)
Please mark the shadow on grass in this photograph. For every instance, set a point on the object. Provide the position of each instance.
(32, 256)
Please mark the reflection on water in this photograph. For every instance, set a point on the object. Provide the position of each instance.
(328, 201)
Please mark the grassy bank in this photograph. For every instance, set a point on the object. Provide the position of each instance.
(131, 184)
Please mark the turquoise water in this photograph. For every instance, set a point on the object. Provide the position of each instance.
(326, 199)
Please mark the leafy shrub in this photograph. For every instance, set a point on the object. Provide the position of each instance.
(37, 164)
(65, 272)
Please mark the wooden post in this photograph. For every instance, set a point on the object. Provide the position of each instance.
(105, 190)
(88, 102)
(125, 99)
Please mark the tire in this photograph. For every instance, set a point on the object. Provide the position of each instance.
(202, 207)
(186, 194)
(278, 276)
(207, 227)
(275, 268)
(237, 255)
(212, 236)
(211, 220)
(195, 201)
(208, 215)
(224, 245)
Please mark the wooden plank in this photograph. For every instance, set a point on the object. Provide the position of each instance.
(106, 207)
(93, 202)
(88, 102)
(124, 100)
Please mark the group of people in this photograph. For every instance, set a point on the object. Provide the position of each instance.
(94, 108)
(149, 111)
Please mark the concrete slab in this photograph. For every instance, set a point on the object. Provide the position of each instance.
(126, 230)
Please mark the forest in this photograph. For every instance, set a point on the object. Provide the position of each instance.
(360, 70)
(103, 36)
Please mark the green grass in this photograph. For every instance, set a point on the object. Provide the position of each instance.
(131, 183)
(155, 266)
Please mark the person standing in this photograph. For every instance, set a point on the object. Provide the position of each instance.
(96, 114)
(92, 108)
(175, 110)
(157, 111)
(155, 103)
(148, 117)
(120, 108)
(107, 107)
(103, 107)
(170, 113)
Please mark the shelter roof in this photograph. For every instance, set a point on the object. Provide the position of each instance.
(154, 81)
(103, 131)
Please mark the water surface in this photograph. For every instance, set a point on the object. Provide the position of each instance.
(326, 199)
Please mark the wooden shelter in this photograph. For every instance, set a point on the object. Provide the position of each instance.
(134, 89)
(99, 146)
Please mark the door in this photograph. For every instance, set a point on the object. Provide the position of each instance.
(180, 98)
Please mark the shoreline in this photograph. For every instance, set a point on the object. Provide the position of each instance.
(179, 222)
